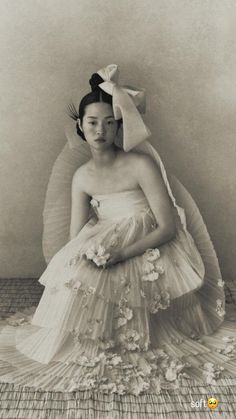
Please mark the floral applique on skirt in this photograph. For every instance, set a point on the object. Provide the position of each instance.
(132, 328)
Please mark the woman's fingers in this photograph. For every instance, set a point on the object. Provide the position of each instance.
(109, 262)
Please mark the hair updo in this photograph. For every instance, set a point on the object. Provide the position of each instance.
(97, 95)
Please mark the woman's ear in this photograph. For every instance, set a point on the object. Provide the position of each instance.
(80, 125)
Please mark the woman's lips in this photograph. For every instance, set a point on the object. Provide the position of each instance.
(100, 140)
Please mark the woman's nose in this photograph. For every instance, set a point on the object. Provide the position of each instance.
(100, 128)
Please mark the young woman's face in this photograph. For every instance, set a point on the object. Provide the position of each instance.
(98, 125)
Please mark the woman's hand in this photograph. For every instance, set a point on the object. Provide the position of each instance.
(115, 257)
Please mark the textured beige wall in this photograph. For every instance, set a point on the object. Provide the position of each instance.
(183, 52)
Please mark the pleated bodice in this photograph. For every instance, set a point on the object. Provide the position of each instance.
(120, 204)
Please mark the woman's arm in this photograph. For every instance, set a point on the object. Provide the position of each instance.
(152, 184)
(79, 205)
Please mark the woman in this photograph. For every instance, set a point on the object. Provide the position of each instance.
(123, 309)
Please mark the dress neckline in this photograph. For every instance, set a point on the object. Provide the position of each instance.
(118, 193)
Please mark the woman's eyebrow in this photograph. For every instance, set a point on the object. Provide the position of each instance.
(95, 117)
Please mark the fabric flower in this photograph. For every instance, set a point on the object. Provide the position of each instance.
(161, 354)
(90, 383)
(90, 253)
(153, 276)
(229, 339)
(130, 339)
(148, 267)
(14, 321)
(109, 387)
(159, 301)
(150, 356)
(172, 371)
(94, 203)
(151, 270)
(77, 285)
(128, 313)
(73, 261)
(122, 313)
(99, 257)
(101, 250)
(70, 283)
(138, 386)
(122, 303)
(106, 344)
(228, 350)
(114, 240)
(127, 368)
(83, 360)
(156, 384)
(159, 269)
(120, 389)
(73, 284)
(152, 254)
(220, 283)
(219, 308)
(115, 360)
(165, 296)
(89, 291)
(101, 261)
(211, 372)
(121, 321)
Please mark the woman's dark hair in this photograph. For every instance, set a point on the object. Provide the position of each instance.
(97, 95)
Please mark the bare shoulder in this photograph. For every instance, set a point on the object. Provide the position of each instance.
(142, 163)
(80, 176)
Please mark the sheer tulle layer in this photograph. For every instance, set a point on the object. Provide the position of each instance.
(179, 267)
(80, 366)
(130, 328)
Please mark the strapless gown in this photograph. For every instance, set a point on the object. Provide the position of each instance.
(131, 328)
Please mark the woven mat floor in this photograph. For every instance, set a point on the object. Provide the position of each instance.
(190, 400)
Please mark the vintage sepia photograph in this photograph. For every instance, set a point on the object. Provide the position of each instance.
(117, 211)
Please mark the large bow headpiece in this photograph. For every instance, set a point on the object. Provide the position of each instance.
(127, 104)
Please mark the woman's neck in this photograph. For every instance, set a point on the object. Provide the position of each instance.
(104, 158)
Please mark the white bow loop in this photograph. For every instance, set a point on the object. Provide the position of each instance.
(127, 103)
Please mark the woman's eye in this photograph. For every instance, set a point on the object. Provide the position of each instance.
(92, 123)
(110, 122)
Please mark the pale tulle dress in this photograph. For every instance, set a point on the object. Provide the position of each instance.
(132, 328)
